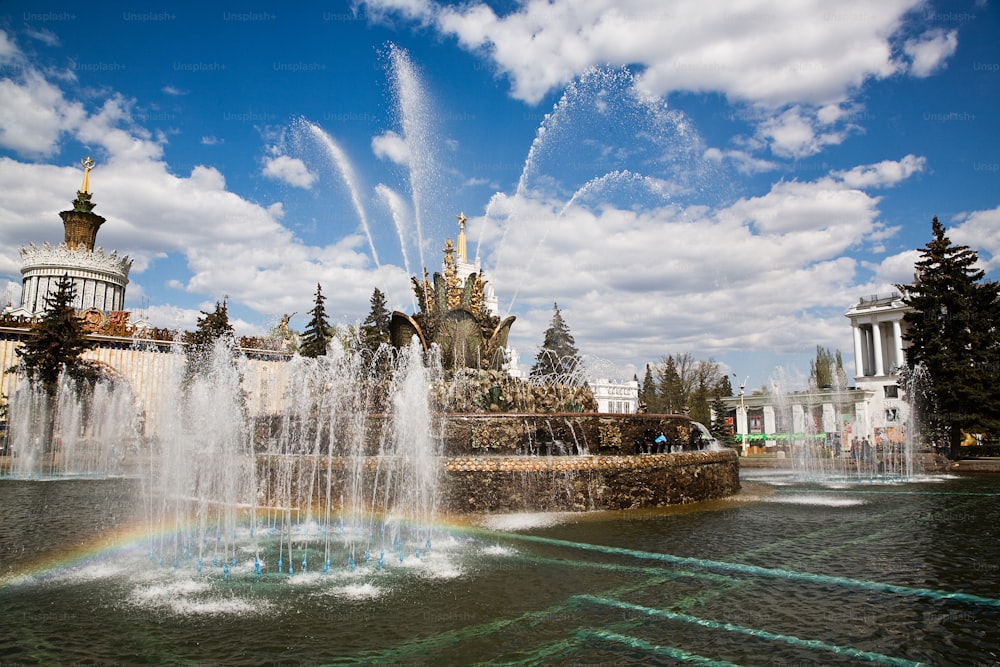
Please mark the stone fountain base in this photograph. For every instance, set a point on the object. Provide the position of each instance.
(578, 483)
(520, 463)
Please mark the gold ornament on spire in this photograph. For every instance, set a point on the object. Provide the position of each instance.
(463, 256)
(88, 164)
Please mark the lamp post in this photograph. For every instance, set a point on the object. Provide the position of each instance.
(743, 409)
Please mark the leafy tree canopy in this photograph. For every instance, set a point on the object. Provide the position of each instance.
(827, 370)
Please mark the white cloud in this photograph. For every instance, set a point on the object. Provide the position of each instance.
(743, 161)
(289, 170)
(772, 53)
(885, 173)
(44, 36)
(9, 53)
(980, 230)
(928, 52)
(758, 274)
(173, 90)
(391, 146)
(796, 64)
(799, 132)
(35, 115)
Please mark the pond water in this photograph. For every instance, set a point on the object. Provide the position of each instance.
(785, 573)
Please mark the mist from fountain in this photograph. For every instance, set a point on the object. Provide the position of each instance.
(822, 450)
(326, 483)
(92, 433)
(343, 475)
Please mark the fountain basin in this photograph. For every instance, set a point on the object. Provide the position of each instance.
(578, 483)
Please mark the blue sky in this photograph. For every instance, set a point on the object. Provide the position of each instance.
(678, 177)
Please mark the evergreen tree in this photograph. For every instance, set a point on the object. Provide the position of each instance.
(201, 342)
(648, 394)
(375, 328)
(558, 360)
(317, 335)
(672, 398)
(56, 342)
(953, 334)
(723, 432)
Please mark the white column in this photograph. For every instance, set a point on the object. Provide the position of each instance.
(897, 341)
(741, 421)
(829, 418)
(769, 421)
(859, 351)
(798, 419)
(877, 342)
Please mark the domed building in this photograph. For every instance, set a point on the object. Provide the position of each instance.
(98, 278)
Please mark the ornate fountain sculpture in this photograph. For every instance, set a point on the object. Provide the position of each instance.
(456, 313)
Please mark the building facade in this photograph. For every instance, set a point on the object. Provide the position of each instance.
(874, 408)
(616, 397)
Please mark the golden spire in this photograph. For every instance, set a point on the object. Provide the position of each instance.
(88, 164)
(462, 256)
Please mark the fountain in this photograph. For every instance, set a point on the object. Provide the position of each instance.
(816, 430)
(359, 510)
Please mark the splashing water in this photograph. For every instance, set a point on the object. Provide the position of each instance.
(397, 208)
(338, 158)
(336, 461)
(415, 113)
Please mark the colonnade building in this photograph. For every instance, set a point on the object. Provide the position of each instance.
(873, 409)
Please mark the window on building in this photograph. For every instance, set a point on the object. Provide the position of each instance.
(891, 390)
(892, 415)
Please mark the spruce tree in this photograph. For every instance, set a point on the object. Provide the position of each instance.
(317, 335)
(953, 335)
(375, 328)
(56, 342)
(201, 342)
(558, 360)
(722, 431)
(672, 395)
(648, 393)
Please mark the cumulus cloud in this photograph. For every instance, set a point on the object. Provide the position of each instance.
(35, 115)
(773, 52)
(796, 65)
(885, 173)
(744, 162)
(772, 262)
(928, 52)
(389, 145)
(800, 132)
(292, 171)
(980, 230)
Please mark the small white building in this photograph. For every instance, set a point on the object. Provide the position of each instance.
(616, 397)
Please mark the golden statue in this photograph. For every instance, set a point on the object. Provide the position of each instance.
(88, 164)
